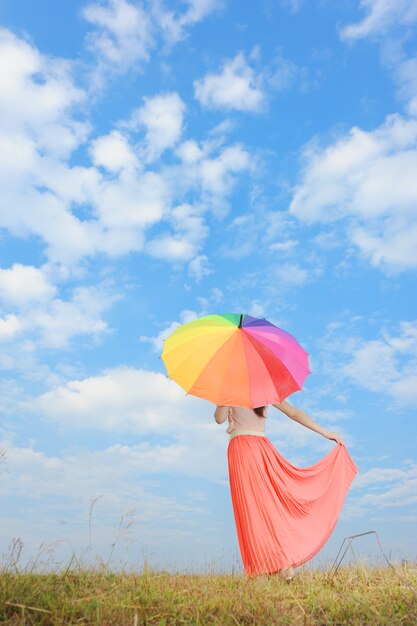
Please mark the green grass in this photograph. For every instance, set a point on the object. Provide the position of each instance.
(356, 594)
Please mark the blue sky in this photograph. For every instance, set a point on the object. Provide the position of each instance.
(166, 160)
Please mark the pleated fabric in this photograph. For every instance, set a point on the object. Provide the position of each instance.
(284, 514)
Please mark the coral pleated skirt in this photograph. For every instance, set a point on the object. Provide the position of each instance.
(284, 514)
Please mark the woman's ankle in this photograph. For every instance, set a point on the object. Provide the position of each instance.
(287, 571)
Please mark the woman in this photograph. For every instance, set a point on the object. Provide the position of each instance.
(284, 514)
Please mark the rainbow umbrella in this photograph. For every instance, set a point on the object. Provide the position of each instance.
(235, 360)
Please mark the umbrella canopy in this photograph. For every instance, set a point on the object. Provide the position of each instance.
(235, 360)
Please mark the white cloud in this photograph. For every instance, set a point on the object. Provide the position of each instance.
(190, 232)
(198, 9)
(381, 16)
(391, 487)
(210, 170)
(113, 152)
(372, 365)
(259, 226)
(216, 174)
(23, 284)
(257, 309)
(26, 76)
(209, 303)
(79, 211)
(384, 475)
(37, 474)
(405, 75)
(123, 38)
(388, 365)
(53, 322)
(121, 399)
(122, 206)
(67, 238)
(9, 327)
(235, 87)
(35, 141)
(132, 201)
(284, 246)
(60, 320)
(283, 73)
(223, 128)
(163, 118)
(368, 179)
(395, 247)
(190, 152)
(170, 248)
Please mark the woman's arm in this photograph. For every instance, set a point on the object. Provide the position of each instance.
(302, 418)
(220, 414)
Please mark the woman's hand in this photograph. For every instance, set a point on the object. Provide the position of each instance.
(332, 435)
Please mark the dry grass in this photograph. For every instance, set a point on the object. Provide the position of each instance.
(355, 595)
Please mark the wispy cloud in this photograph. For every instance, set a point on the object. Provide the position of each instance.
(53, 321)
(123, 35)
(125, 32)
(175, 25)
(293, 5)
(381, 15)
(388, 22)
(129, 506)
(384, 488)
(384, 365)
(157, 342)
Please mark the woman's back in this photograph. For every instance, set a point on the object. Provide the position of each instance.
(243, 418)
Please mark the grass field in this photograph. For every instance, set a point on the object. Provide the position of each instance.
(356, 594)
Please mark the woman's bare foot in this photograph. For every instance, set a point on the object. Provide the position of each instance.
(287, 573)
